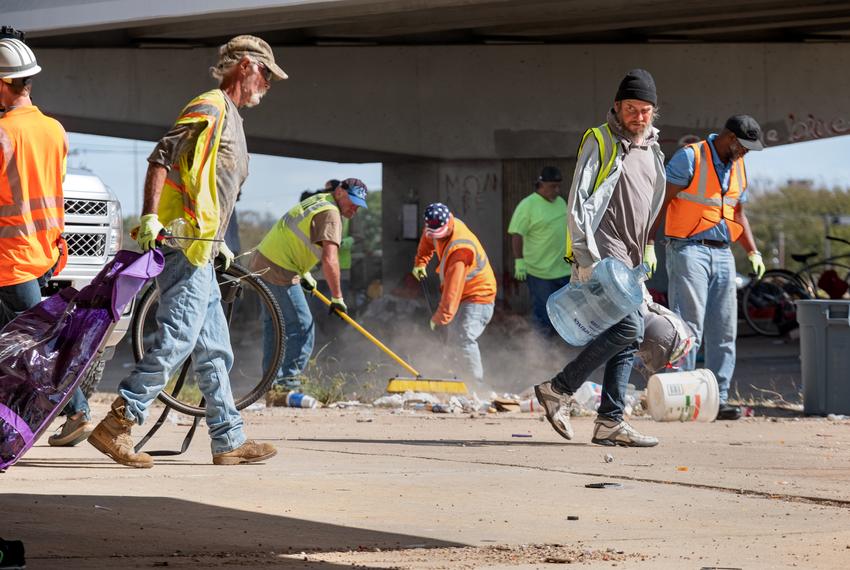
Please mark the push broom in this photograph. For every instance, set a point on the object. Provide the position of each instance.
(399, 384)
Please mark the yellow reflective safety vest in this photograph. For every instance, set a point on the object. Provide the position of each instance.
(190, 190)
(607, 144)
(288, 243)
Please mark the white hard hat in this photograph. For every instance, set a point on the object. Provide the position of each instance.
(16, 59)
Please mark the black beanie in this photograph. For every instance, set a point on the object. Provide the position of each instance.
(638, 84)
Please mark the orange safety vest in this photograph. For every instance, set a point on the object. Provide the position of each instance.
(480, 279)
(33, 151)
(702, 204)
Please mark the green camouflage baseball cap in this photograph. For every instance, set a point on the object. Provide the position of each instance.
(255, 48)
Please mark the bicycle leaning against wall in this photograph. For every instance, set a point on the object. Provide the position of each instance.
(768, 304)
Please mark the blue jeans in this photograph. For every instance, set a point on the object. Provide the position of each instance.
(191, 322)
(464, 330)
(540, 289)
(702, 280)
(14, 300)
(615, 348)
(300, 335)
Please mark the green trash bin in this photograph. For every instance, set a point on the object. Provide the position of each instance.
(825, 355)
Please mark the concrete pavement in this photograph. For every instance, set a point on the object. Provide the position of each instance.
(419, 490)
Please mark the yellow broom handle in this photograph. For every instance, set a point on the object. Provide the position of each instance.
(368, 335)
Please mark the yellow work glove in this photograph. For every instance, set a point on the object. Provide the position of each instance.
(432, 324)
(520, 272)
(649, 258)
(149, 228)
(308, 282)
(757, 262)
(225, 256)
(419, 272)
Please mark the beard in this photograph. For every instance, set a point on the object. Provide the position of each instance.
(255, 99)
(636, 133)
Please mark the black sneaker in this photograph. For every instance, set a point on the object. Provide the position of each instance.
(12, 554)
(729, 412)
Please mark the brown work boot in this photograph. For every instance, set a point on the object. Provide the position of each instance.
(249, 452)
(112, 437)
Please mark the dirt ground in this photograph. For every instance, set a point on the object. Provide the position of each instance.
(367, 488)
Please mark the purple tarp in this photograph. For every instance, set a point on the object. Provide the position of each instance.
(46, 351)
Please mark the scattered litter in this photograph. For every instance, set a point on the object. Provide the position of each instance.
(572, 517)
(588, 396)
(530, 405)
(407, 400)
(609, 458)
(365, 421)
(520, 435)
(506, 405)
(682, 468)
(256, 406)
(348, 404)
(605, 485)
(102, 508)
(836, 417)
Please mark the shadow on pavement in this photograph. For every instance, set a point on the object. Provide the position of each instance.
(93, 531)
(444, 442)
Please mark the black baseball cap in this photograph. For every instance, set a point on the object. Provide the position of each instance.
(550, 174)
(747, 130)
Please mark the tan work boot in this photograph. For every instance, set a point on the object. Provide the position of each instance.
(249, 452)
(112, 437)
(75, 429)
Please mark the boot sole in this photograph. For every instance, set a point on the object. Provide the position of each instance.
(71, 439)
(241, 460)
(105, 450)
(609, 443)
(566, 436)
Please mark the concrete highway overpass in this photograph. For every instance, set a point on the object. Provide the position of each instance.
(461, 100)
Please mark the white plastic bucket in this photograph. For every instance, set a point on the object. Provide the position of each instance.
(690, 396)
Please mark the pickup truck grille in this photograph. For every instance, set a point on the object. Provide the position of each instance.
(86, 245)
(75, 207)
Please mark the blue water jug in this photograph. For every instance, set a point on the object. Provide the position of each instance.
(582, 311)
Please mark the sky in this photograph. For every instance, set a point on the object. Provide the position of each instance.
(275, 183)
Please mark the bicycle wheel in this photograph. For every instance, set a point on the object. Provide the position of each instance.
(244, 299)
(768, 304)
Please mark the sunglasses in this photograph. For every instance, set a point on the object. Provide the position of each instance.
(265, 71)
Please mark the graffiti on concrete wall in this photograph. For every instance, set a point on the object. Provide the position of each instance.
(468, 192)
(796, 128)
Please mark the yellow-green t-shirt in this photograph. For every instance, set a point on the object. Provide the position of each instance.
(543, 227)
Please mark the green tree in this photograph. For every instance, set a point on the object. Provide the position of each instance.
(800, 214)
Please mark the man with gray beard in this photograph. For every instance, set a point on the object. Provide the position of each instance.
(617, 191)
(194, 174)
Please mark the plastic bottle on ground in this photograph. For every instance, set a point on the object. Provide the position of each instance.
(589, 396)
(299, 400)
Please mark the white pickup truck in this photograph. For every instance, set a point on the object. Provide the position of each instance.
(94, 232)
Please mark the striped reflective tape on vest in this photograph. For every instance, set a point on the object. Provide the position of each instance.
(702, 180)
(21, 208)
(292, 223)
(480, 260)
(29, 228)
